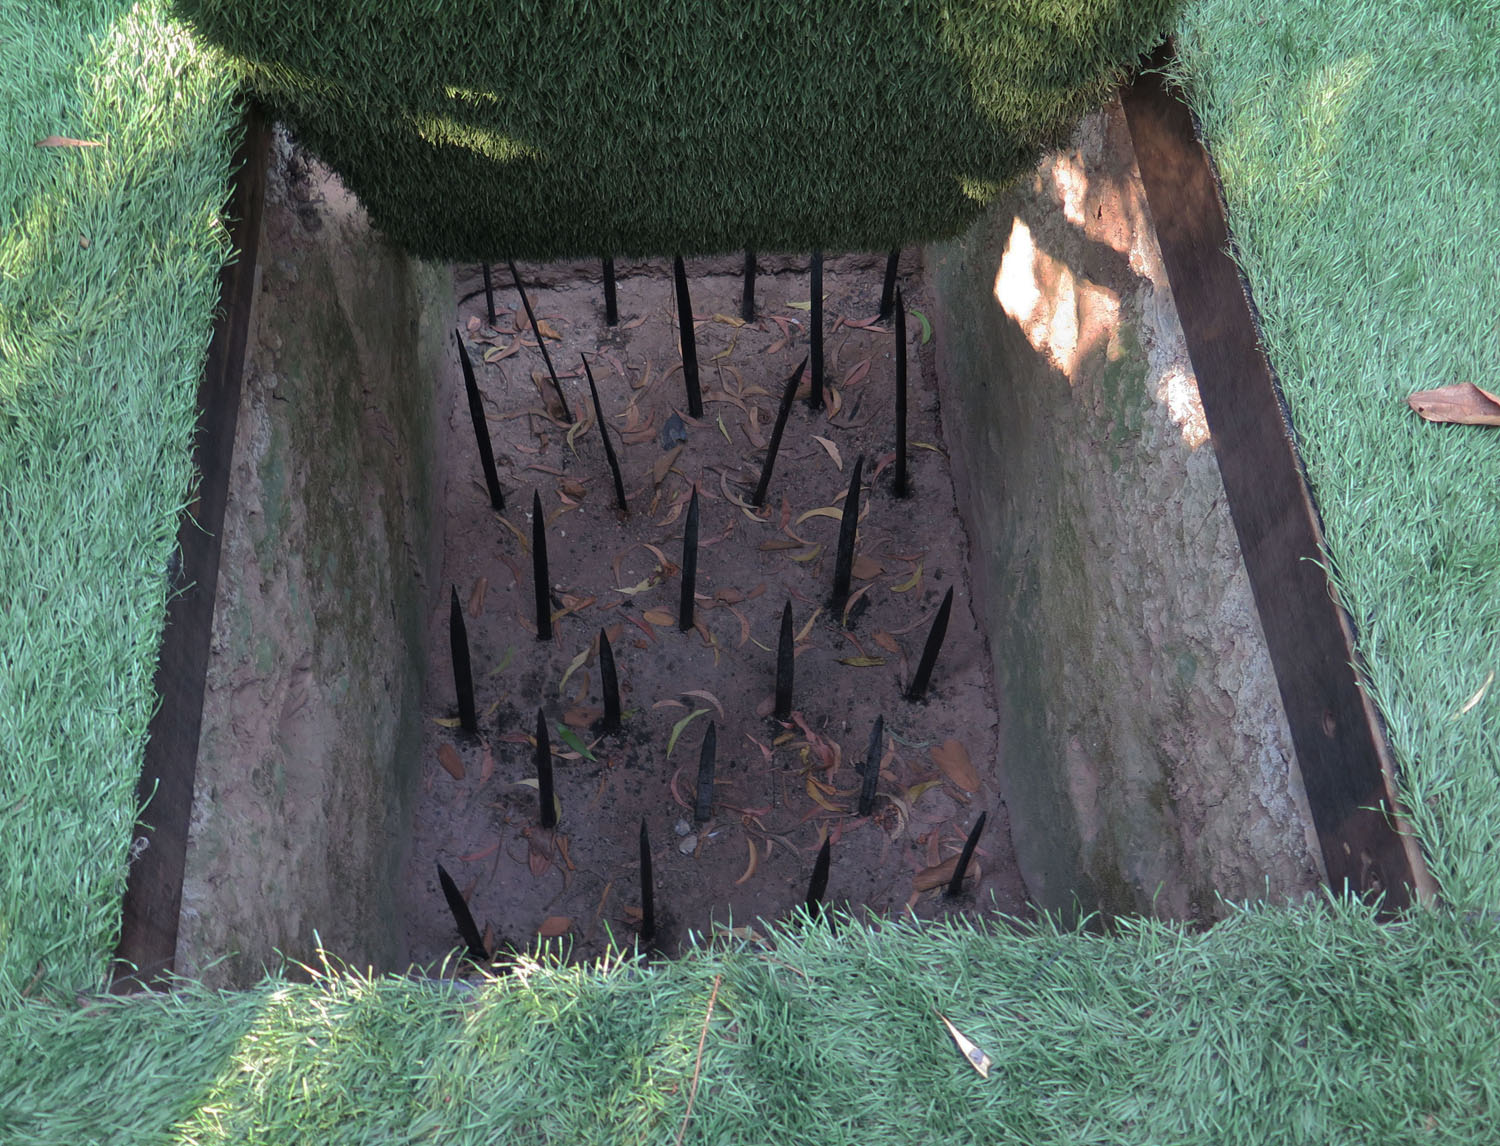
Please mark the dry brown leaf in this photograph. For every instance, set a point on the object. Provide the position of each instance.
(451, 761)
(486, 763)
(64, 141)
(887, 642)
(555, 925)
(659, 617)
(953, 759)
(547, 330)
(866, 568)
(929, 878)
(581, 717)
(539, 850)
(1465, 404)
(576, 490)
(664, 465)
(476, 598)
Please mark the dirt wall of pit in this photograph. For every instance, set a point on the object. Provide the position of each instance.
(307, 762)
(1146, 758)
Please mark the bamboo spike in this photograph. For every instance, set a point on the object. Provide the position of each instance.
(892, 263)
(819, 882)
(611, 310)
(539, 576)
(610, 684)
(785, 666)
(609, 446)
(872, 768)
(843, 566)
(540, 341)
(648, 892)
(489, 294)
(689, 566)
(467, 931)
(815, 326)
(900, 486)
(463, 678)
(747, 296)
(689, 345)
(787, 394)
(481, 427)
(543, 757)
(955, 885)
(703, 808)
(935, 636)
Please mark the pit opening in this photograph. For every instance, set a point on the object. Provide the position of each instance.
(331, 780)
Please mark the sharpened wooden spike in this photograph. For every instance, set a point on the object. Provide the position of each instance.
(481, 427)
(747, 295)
(609, 446)
(611, 310)
(544, 772)
(892, 264)
(819, 882)
(956, 884)
(789, 391)
(610, 684)
(648, 892)
(935, 636)
(786, 658)
(843, 566)
(540, 341)
(689, 566)
(539, 576)
(689, 345)
(463, 678)
(467, 931)
(703, 808)
(489, 294)
(815, 327)
(872, 768)
(900, 485)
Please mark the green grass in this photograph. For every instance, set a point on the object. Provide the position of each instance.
(101, 347)
(1317, 1026)
(1357, 146)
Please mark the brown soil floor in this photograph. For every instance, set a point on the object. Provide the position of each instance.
(780, 788)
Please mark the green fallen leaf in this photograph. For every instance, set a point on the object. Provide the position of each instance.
(926, 327)
(574, 741)
(679, 726)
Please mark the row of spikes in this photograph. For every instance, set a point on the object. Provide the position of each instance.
(816, 888)
(900, 484)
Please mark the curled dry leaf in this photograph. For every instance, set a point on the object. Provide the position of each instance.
(749, 867)
(953, 759)
(451, 761)
(1465, 404)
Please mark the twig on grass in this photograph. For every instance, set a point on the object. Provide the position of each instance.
(698, 1062)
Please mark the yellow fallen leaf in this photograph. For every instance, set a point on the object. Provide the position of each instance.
(862, 662)
(911, 582)
(952, 758)
(809, 555)
(819, 799)
(832, 511)
(972, 1054)
(447, 721)
(749, 867)
(807, 628)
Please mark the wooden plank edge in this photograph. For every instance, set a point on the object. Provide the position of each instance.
(147, 946)
(1347, 768)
